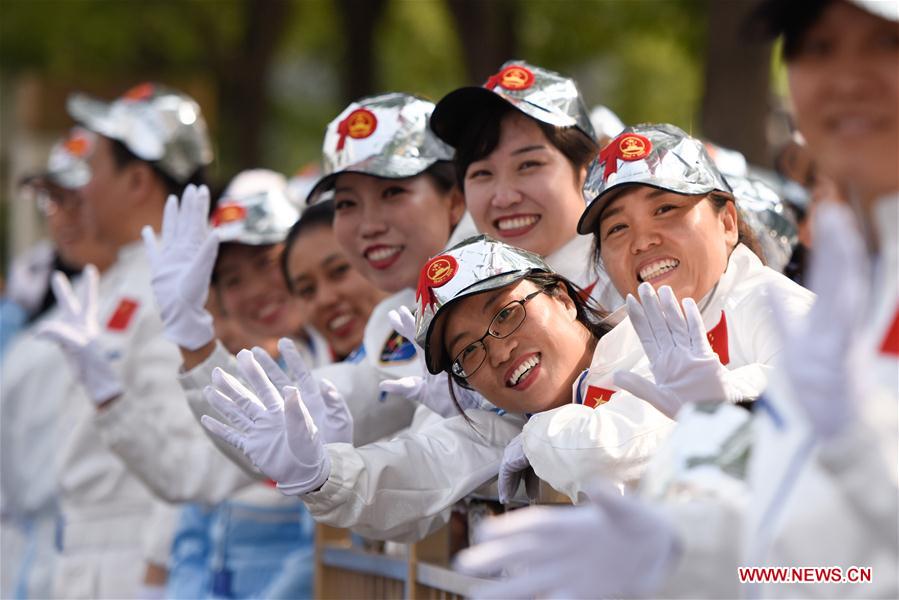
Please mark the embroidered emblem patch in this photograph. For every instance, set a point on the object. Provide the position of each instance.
(358, 125)
(397, 349)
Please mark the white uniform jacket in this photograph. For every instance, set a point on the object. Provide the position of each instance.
(813, 504)
(400, 489)
(611, 432)
(106, 510)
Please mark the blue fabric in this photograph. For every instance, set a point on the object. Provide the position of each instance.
(12, 320)
(237, 550)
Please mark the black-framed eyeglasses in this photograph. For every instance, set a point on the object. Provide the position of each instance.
(505, 322)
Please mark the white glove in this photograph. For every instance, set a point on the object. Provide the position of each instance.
(515, 465)
(428, 389)
(182, 263)
(322, 399)
(77, 332)
(276, 433)
(29, 277)
(682, 361)
(816, 350)
(612, 546)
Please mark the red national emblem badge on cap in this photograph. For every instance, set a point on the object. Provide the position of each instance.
(513, 78)
(358, 125)
(228, 212)
(627, 147)
(436, 272)
(141, 91)
(78, 145)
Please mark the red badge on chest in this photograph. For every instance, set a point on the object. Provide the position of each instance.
(890, 344)
(122, 315)
(718, 339)
(596, 395)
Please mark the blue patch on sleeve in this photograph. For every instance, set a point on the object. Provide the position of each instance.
(397, 349)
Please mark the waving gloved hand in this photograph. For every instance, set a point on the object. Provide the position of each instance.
(816, 350)
(182, 263)
(77, 332)
(682, 361)
(428, 389)
(322, 399)
(514, 466)
(276, 433)
(611, 547)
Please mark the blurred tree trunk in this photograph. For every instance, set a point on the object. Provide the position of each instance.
(488, 32)
(737, 78)
(359, 20)
(244, 75)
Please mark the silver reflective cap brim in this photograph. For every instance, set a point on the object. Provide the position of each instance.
(770, 220)
(400, 145)
(268, 214)
(885, 9)
(552, 99)
(483, 264)
(166, 128)
(676, 163)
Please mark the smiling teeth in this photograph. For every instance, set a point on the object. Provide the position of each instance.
(516, 222)
(656, 269)
(382, 253)
(523, 369)
(338, 322)
(268, 310)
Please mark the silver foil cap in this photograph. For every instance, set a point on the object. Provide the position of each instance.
(384, 136)
(254, 209)
(659, 155)
(885, 9)
(67, 164)
(766, 214)
(542, 94)
(476, 264)
(155, 123)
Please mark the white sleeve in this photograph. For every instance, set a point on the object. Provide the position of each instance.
(709, 536)
(400, 489)
(854, 462)
(151, 429)
(160, 533)
(194, 381)
(568, 446)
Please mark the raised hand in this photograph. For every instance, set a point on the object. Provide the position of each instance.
(275, 432)
(817, 349)
(77, 332)
(181, 263)
(611, 547)
(322, 399)
(682, 361)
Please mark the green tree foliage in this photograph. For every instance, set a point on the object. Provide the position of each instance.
(642, 58)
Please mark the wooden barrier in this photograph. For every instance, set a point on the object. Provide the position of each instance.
(420, 571)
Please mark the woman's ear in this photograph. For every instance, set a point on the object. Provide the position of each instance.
(730, 221)
(457, 205)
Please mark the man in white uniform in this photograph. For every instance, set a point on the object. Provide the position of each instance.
(151, 142)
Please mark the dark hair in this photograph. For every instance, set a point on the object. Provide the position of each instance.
(790, 18)
(320, 214)
(587, 312)
(122, 157)
(719, 200)
(481, 137)
(443, 175)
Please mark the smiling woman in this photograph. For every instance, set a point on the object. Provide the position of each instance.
(337, 299)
